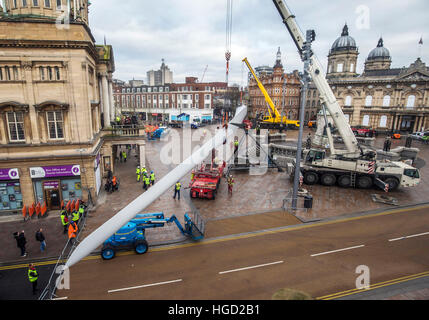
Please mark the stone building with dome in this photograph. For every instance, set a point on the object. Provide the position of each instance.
(383, 98)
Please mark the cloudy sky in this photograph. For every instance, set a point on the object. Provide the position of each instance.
(191, 34)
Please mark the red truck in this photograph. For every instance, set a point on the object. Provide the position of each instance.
(206, 181)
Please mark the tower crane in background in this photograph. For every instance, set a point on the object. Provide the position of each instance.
(204, 74)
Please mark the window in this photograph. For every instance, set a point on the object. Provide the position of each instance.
(1, 73)
(15, 123)
(57, 73)
(15, 5)
(55, 124)
(386, 101)
(340, 67)
(50, 74)
(15, 73)
(411, 101)
(365, 121)
(383, 122)
(348, 102)
(59, 4)
(368, 101)
(47, 3)
(352, 67)
(24, 3)
(35, 3)
(7, 73)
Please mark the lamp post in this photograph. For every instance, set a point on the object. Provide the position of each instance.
(306, 56)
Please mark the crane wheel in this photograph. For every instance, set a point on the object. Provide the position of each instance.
(392, 182)
(364, 182)
(311, 178)
(108, 252)
(141, 246)
(345, 181)
(328, 179)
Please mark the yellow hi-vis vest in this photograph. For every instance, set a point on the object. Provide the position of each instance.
(32, 275)
(178, 186)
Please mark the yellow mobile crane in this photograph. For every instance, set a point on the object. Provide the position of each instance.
(274, 120)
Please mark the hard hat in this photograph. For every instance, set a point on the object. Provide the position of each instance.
(151, 172)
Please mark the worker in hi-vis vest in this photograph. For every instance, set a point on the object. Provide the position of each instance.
(152, 178)
(138, 173)
(33, 276)
(177, 188)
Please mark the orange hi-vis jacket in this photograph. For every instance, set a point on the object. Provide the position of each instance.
(72, 230)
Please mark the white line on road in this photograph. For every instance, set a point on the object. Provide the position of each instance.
(412, 236)
(145, 286)
(253, 267)
(339, 250)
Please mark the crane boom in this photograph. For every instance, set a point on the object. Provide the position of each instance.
(327, 97)
(272, 110)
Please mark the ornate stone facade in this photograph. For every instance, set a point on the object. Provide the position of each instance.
(283, 88)
(55, 94)
(383, 98)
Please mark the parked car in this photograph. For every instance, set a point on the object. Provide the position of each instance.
(420, 135)
(363, 131)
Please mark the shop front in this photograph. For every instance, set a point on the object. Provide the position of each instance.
(10, 191)
(55, 184)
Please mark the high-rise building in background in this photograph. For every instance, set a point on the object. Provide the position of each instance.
(160, 77)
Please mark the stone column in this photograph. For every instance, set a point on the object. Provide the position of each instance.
(142, 155)
(111, 101)
(106, 99)
(3, 131)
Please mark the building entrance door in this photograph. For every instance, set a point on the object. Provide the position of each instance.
(52, 195)
(408, 123)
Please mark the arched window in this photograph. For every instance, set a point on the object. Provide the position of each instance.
(368, 101)
(383, 122)
(365, 121)
(348, 102)
(411, 101)
(386, 101)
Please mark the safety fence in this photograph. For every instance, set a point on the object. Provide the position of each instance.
(49, 293)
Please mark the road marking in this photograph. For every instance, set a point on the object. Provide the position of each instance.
(339, 250)
(408, 237)
(374, 286)
(145, 286)
(238, 237)
(253, 267)
(60, 298)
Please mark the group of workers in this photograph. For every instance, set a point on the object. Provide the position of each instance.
(70, 221)
(148, 178)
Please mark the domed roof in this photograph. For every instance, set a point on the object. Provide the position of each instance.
(380, 52)
(345, 42)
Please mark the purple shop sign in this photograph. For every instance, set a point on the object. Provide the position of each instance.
(9, 174)
(55, 172)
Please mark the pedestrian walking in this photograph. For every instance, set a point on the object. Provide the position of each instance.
(41, 238)
(124, 156)
(308, 143)
(20, 242)
(33, 276)
(177, 188)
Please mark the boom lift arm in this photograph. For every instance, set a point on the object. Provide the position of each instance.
(327, 97)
